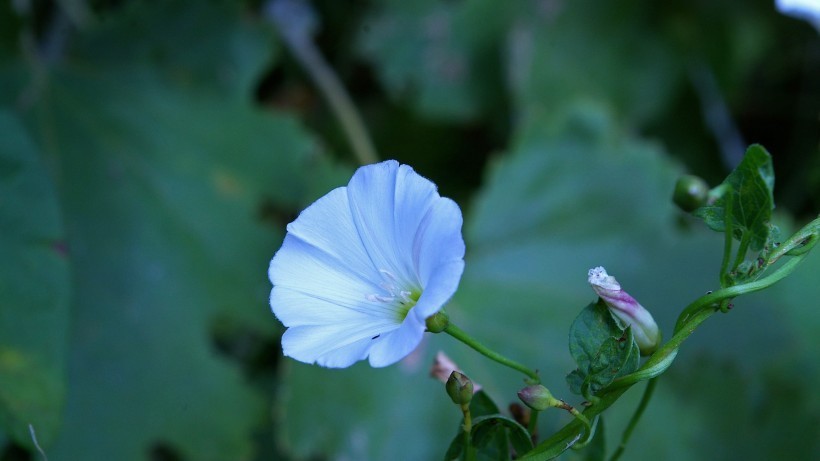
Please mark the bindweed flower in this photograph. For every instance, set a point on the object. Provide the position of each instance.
(644, 329)
(363, 267)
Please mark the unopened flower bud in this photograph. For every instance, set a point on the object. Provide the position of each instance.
(443, 367)
(690, 193)
(644, 329)
(459, 388)
(538, 397)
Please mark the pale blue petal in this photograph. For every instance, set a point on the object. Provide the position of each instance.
(414, 197)
(390, 348)
(439, 255)
(336, 346)
(443, 285)
(310, 287)
(439, 239)
(371, 194)
(297, 309)
(328, 226)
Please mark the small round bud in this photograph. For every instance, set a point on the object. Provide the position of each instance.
(459, 388)
(437, 322)
(690, 193)
(538, 397)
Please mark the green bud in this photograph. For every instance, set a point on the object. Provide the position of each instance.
(438, 322)
(459, 388)
(538, 397)
(690, 193)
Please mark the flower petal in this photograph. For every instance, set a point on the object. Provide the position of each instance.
(335, 346)
(414, 197)
(396, 345)
(439, 252)
(328, 226)
(438, 240)
(443, 285)
(371, 194)
(311, 287)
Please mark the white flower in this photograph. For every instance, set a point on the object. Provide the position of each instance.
(644, 329)
(363, 267)
(808, 10)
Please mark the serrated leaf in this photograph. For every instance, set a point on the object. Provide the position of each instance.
(750, 189)
(34, 289)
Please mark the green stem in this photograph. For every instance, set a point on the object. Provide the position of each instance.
(295, 25)
(741, 250)
(587, 426)
(727, 243)
(469, 450)
(647, 396)
(462, 336)
(695, 314)
(717, 296)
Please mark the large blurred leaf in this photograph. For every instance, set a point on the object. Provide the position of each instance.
(33, 290)
(169, 179)
(442, 57)
(191, 43)
(161, 207)
(563, 52)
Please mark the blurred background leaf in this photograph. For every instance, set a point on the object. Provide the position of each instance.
(169, 144)
(34, 289)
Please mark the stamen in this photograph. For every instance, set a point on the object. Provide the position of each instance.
(388, 274)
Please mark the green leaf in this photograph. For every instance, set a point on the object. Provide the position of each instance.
(432, 54)
(559, 57)
(213, 45)
(602, 349)
(456, 447)
(34, 289)
(482, 405)
(175, 192)
(491, 434)
(750, 189)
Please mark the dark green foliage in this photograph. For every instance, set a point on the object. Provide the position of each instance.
(151, 154)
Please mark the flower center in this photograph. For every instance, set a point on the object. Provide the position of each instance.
(399, 298)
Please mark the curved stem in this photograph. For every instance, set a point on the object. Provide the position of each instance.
(462, 336)
(715, 297)
(694, 314)
(647, 396)
(295, 22)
